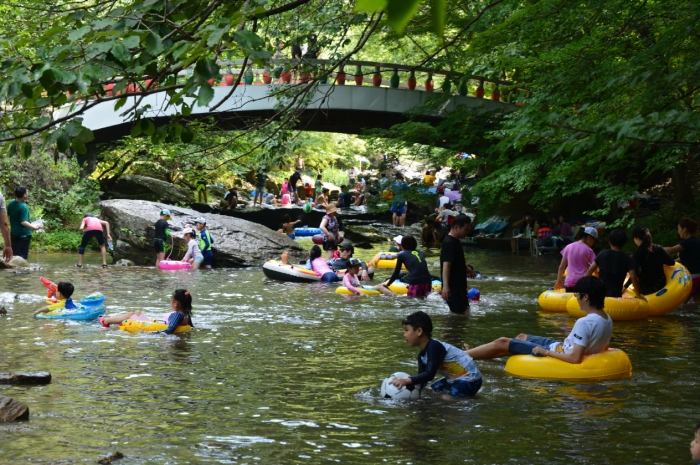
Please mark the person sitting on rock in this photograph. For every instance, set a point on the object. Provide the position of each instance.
(230, 200)
(322, 200)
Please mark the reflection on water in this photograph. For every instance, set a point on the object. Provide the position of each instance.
(287, 373)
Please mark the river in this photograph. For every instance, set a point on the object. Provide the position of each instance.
(290, 373)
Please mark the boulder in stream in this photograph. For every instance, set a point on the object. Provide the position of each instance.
(15, 262)
(132, 186)
(237, 242)
(12, 410)
(26, 377)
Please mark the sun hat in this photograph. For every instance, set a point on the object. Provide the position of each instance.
(200, 220)
(331, 209)
(347, 245)
(591, 231)
(187, 231)
(398, 239)
(165, 212)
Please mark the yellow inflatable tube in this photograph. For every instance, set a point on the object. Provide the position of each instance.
(554, 301)
(679, 283)
(366, 290)
(387, 263)
(134, 326)
(611, 364)
(619, 308)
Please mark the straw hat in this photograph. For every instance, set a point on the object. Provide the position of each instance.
(331, 209)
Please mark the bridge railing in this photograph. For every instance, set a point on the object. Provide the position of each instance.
(359, 73)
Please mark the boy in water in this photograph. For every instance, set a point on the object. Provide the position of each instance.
(161, 234)
(590, 335)
(462, 377)
(613, 266)
(63, 298)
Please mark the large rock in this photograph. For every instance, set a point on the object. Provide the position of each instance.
(26, 377)
(12, 410)
(15, 262)
(236, 242)
(131, 186)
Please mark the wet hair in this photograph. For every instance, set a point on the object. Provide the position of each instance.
(286, 219)
(409, 242)
(617, 237)
(595, 288)
(690, 225)
(642, 233)
(315, 252)
(65, 288)
(419, 320)
(325, 189)
(20, 191)
(184, 301)
(319, 176)
(460, 221)
(399, 176)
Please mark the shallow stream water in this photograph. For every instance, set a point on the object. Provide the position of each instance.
(290, 373)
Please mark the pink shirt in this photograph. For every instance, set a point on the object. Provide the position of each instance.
(92, 224)
(351, 282)
(320, 266)
(579, 257)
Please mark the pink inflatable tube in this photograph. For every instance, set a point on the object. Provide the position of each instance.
(174, 265)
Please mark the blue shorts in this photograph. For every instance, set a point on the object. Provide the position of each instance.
(459, 388)
(399, 208)
(208, 257)
(330, 277)
(198, 259)
(518, 347)
(291, 235)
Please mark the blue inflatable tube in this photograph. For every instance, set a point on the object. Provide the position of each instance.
(307, 232)
(90, 307)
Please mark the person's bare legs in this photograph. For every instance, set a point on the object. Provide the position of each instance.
(103, 249)
(514, 245)
(495, 349)
(381, 287)
(329, 254)
(116, 319)
(402, 220)
(160, 256)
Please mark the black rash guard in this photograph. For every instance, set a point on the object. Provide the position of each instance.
(415, 264)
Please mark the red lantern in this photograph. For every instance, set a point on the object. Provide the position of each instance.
(340, 78)
(228, 79)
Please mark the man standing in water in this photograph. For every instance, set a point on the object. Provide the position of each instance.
(454, 268)
(21, 228)
(5, 228)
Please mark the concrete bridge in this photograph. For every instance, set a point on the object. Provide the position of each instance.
(346, 108)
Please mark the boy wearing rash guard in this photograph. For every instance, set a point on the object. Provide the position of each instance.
(419, 279)
(64, 291)
(162, 232)
(590, 335)
(462, 377)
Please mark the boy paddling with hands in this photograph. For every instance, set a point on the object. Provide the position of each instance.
(590, 335)
(462, 376)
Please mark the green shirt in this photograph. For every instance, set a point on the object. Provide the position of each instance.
(319, 186)
(17, 212)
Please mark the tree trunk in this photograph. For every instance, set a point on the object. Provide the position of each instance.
(88, 161)
(684, 199)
